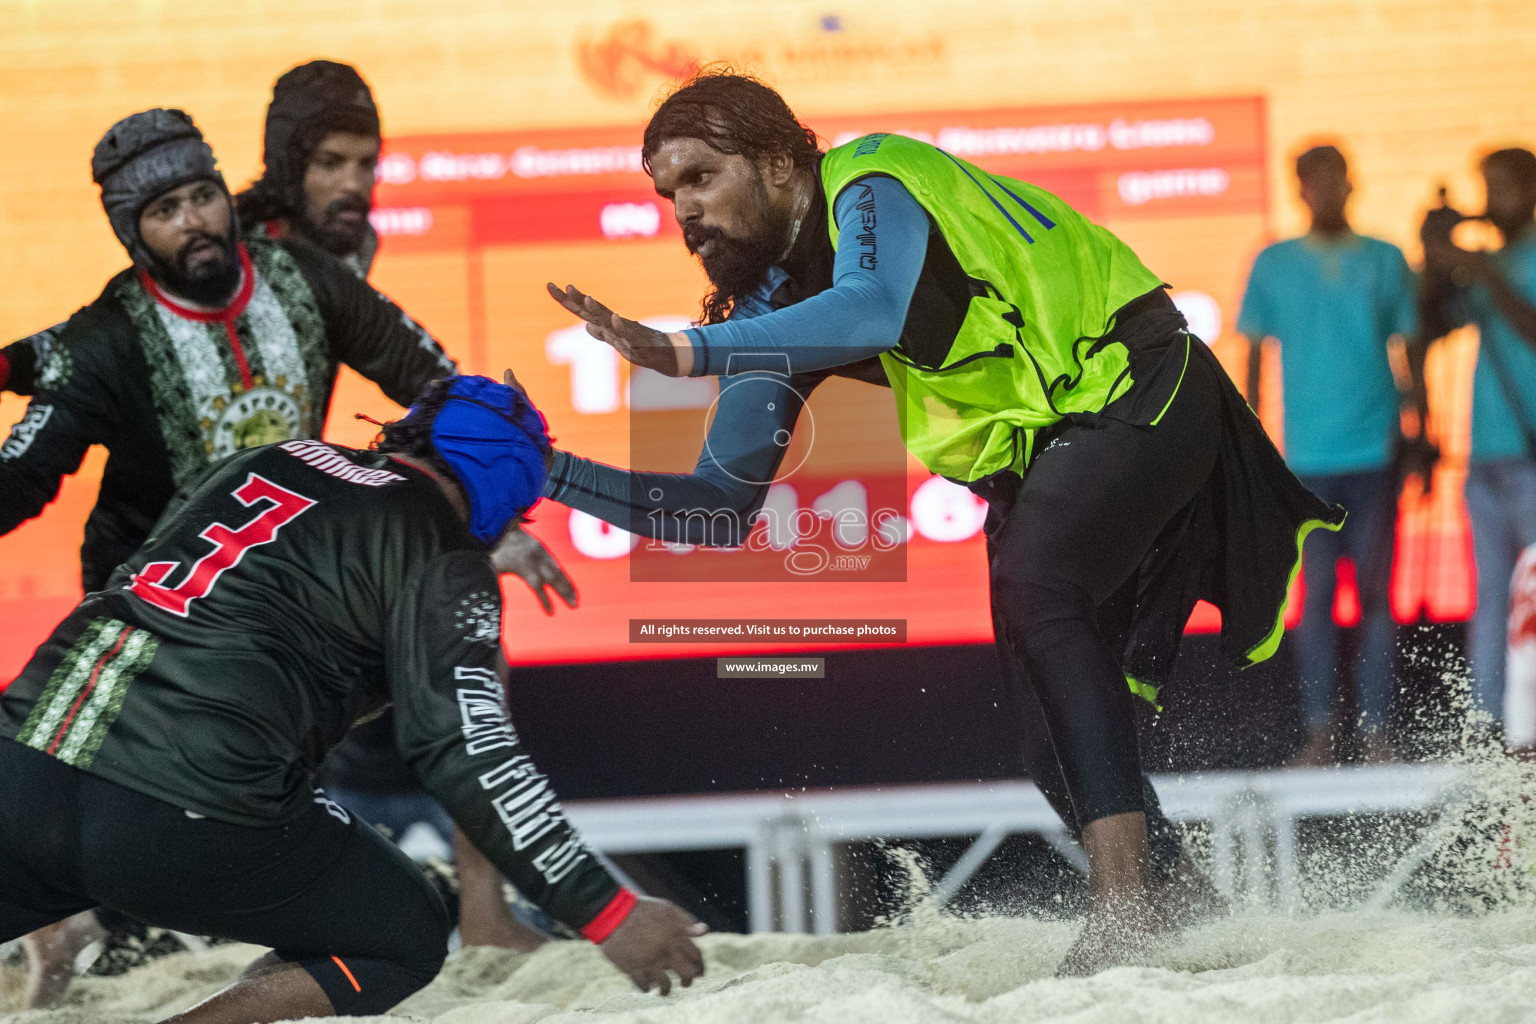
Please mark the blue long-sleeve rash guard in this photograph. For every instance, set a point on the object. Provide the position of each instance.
(882, 241)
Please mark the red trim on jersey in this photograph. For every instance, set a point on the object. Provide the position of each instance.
(246, 380)
(95, 673)
(5, 370)
(226, 316)
(611, 916)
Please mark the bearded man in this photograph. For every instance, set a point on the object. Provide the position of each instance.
(208, 345)
(321, 145)
(1034, 359)
(320, 150)
(205, 345)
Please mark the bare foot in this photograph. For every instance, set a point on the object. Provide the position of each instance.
(51, 953)
(1121, 923)
(1112, 937)
(1187, 896)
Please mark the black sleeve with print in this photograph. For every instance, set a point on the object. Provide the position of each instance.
(452, 726)
(289, 590)
(73, 407)
(369, 332)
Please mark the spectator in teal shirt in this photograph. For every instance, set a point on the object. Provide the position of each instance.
(1334, 299)
(1497, 292)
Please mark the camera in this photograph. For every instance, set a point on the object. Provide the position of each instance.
(1439, 223)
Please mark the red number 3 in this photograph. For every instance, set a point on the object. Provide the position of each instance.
(229, 546)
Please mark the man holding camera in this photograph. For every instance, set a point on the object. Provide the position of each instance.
(1497, 292)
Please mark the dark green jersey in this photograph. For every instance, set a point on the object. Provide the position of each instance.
(291, 590)
(168, 390)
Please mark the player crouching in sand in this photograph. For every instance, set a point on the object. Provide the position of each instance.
(156, 751)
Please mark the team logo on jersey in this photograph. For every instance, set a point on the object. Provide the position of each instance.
(55, 363)
(262, 415)
(483, 715)
(214, 393)
(478, 618)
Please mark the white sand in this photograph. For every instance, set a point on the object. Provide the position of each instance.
(1393, 968)
(1331, 965)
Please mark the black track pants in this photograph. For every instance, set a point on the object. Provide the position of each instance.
(1020, 701)
(1062, 545)
(325, 891)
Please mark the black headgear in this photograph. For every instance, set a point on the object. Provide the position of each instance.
(309, 103)
(142, 157)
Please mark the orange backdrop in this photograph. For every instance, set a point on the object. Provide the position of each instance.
(1411, 89)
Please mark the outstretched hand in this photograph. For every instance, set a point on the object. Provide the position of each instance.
(520, 553)
(671, 354)
(656, 937)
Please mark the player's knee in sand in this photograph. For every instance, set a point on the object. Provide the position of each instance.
(382, 553)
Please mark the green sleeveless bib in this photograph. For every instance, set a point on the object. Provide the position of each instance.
(1044, 286)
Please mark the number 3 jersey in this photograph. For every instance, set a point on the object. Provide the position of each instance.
(287, 592)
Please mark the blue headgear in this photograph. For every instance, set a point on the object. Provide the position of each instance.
(495, 440)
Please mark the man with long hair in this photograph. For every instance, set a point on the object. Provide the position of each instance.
(155, 754)
(1034, 359)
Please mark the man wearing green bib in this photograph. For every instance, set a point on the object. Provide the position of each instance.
(1034, 359)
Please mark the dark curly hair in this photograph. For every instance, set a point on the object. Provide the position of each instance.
(260, 203)
(411, 434)
(733, 114)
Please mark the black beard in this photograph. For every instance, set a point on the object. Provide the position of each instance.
(330, 235)
(735, 266)
(211, 284)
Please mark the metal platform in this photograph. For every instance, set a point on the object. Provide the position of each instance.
(790, 838)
